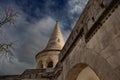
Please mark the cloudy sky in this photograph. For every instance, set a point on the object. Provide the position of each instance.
(32, 29)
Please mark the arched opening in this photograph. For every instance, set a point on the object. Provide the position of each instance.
(87, 74)
(81, 72)
(50, 64)
(58, 40)
(39, 65)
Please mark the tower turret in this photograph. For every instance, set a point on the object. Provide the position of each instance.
(56, 41)
(48, 58)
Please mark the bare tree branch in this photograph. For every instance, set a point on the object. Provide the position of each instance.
(5, 46)
(8, 17)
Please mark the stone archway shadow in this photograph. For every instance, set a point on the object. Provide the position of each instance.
(89, 59)
(81, 72)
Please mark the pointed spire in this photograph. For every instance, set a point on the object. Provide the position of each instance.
(56, 40)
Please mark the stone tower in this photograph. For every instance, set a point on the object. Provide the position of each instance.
(48, 58)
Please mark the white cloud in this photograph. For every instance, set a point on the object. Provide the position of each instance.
(76, 6)
(65, 33)
(40, 31)
(28, 45)
(31, 38)
(44, 25)
(12, 67)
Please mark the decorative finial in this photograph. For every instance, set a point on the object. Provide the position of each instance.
(56, 21)
(56, 40)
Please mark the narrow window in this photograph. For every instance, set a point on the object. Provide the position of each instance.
(40, 64)
(102, 5)
(50, 64)
(93, 19)
(58, 40)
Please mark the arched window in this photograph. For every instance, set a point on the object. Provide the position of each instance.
(40, 65)
(58, 40)
(50, 64)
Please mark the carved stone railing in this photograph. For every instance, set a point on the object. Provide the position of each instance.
(37, 73)
(30, 74)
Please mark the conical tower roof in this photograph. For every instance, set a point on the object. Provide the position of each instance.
(56, 41)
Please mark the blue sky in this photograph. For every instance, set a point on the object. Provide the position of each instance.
(33, 27)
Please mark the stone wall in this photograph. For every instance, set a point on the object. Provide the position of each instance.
(106, 41)
(95, 45)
